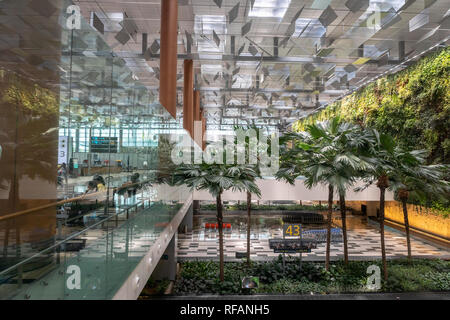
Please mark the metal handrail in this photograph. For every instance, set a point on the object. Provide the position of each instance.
(53, 204)
(74, 235)
(58, 203)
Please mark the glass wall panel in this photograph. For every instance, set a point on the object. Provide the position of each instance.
(83, 148)
(31, 46)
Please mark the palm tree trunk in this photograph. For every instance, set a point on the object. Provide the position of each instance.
(383, 248)
(249, 209)
(344, 225)
(329, 220)
(220, 222)
(405, 215)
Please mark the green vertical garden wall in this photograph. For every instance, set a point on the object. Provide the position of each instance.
(412, 105)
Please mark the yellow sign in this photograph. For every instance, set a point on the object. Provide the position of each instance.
(292, 230)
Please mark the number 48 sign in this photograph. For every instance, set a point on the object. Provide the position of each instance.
(292, 230)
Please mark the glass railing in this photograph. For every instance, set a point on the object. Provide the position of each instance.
(103, 253)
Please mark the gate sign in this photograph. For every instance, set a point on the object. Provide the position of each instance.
(63, 149)
(292, 230)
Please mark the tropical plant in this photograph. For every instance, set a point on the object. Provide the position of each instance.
(217, 178)
(382, 154)
(389, 162)
(326, 153)
(415, 179)
(412, 106)
(255, 167)
(296, 155)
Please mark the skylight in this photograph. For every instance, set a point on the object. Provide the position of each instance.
(248, 64)
(204, 26)
(385, 5)
(211, 69)
(309, 28)
(372, 51)
(281, 105)
(243, 81)
(269, 8)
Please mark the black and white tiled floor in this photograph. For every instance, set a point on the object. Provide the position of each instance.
(363, 243)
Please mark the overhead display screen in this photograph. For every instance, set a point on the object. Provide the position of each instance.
(104, 144)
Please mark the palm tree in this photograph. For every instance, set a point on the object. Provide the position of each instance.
(418, 180)
(327, 153)
(389, 161)
(249, 213)
(249, 194)
(295, 157)
(217, 178)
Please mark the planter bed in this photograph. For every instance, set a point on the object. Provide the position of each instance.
(420, 275)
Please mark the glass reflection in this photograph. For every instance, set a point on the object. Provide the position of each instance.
(83, 148)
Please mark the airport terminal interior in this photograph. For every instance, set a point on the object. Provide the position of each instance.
(101, 102)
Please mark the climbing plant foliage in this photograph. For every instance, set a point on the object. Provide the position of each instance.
(412, 105)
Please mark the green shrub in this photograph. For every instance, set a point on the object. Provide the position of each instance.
(437, 281)
(287, 286)
(200, 277)
(282, 207)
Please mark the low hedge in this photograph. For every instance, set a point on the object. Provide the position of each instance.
(262, 207)
(202, 277)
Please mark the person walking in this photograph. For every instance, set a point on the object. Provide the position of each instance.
(63, 172)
